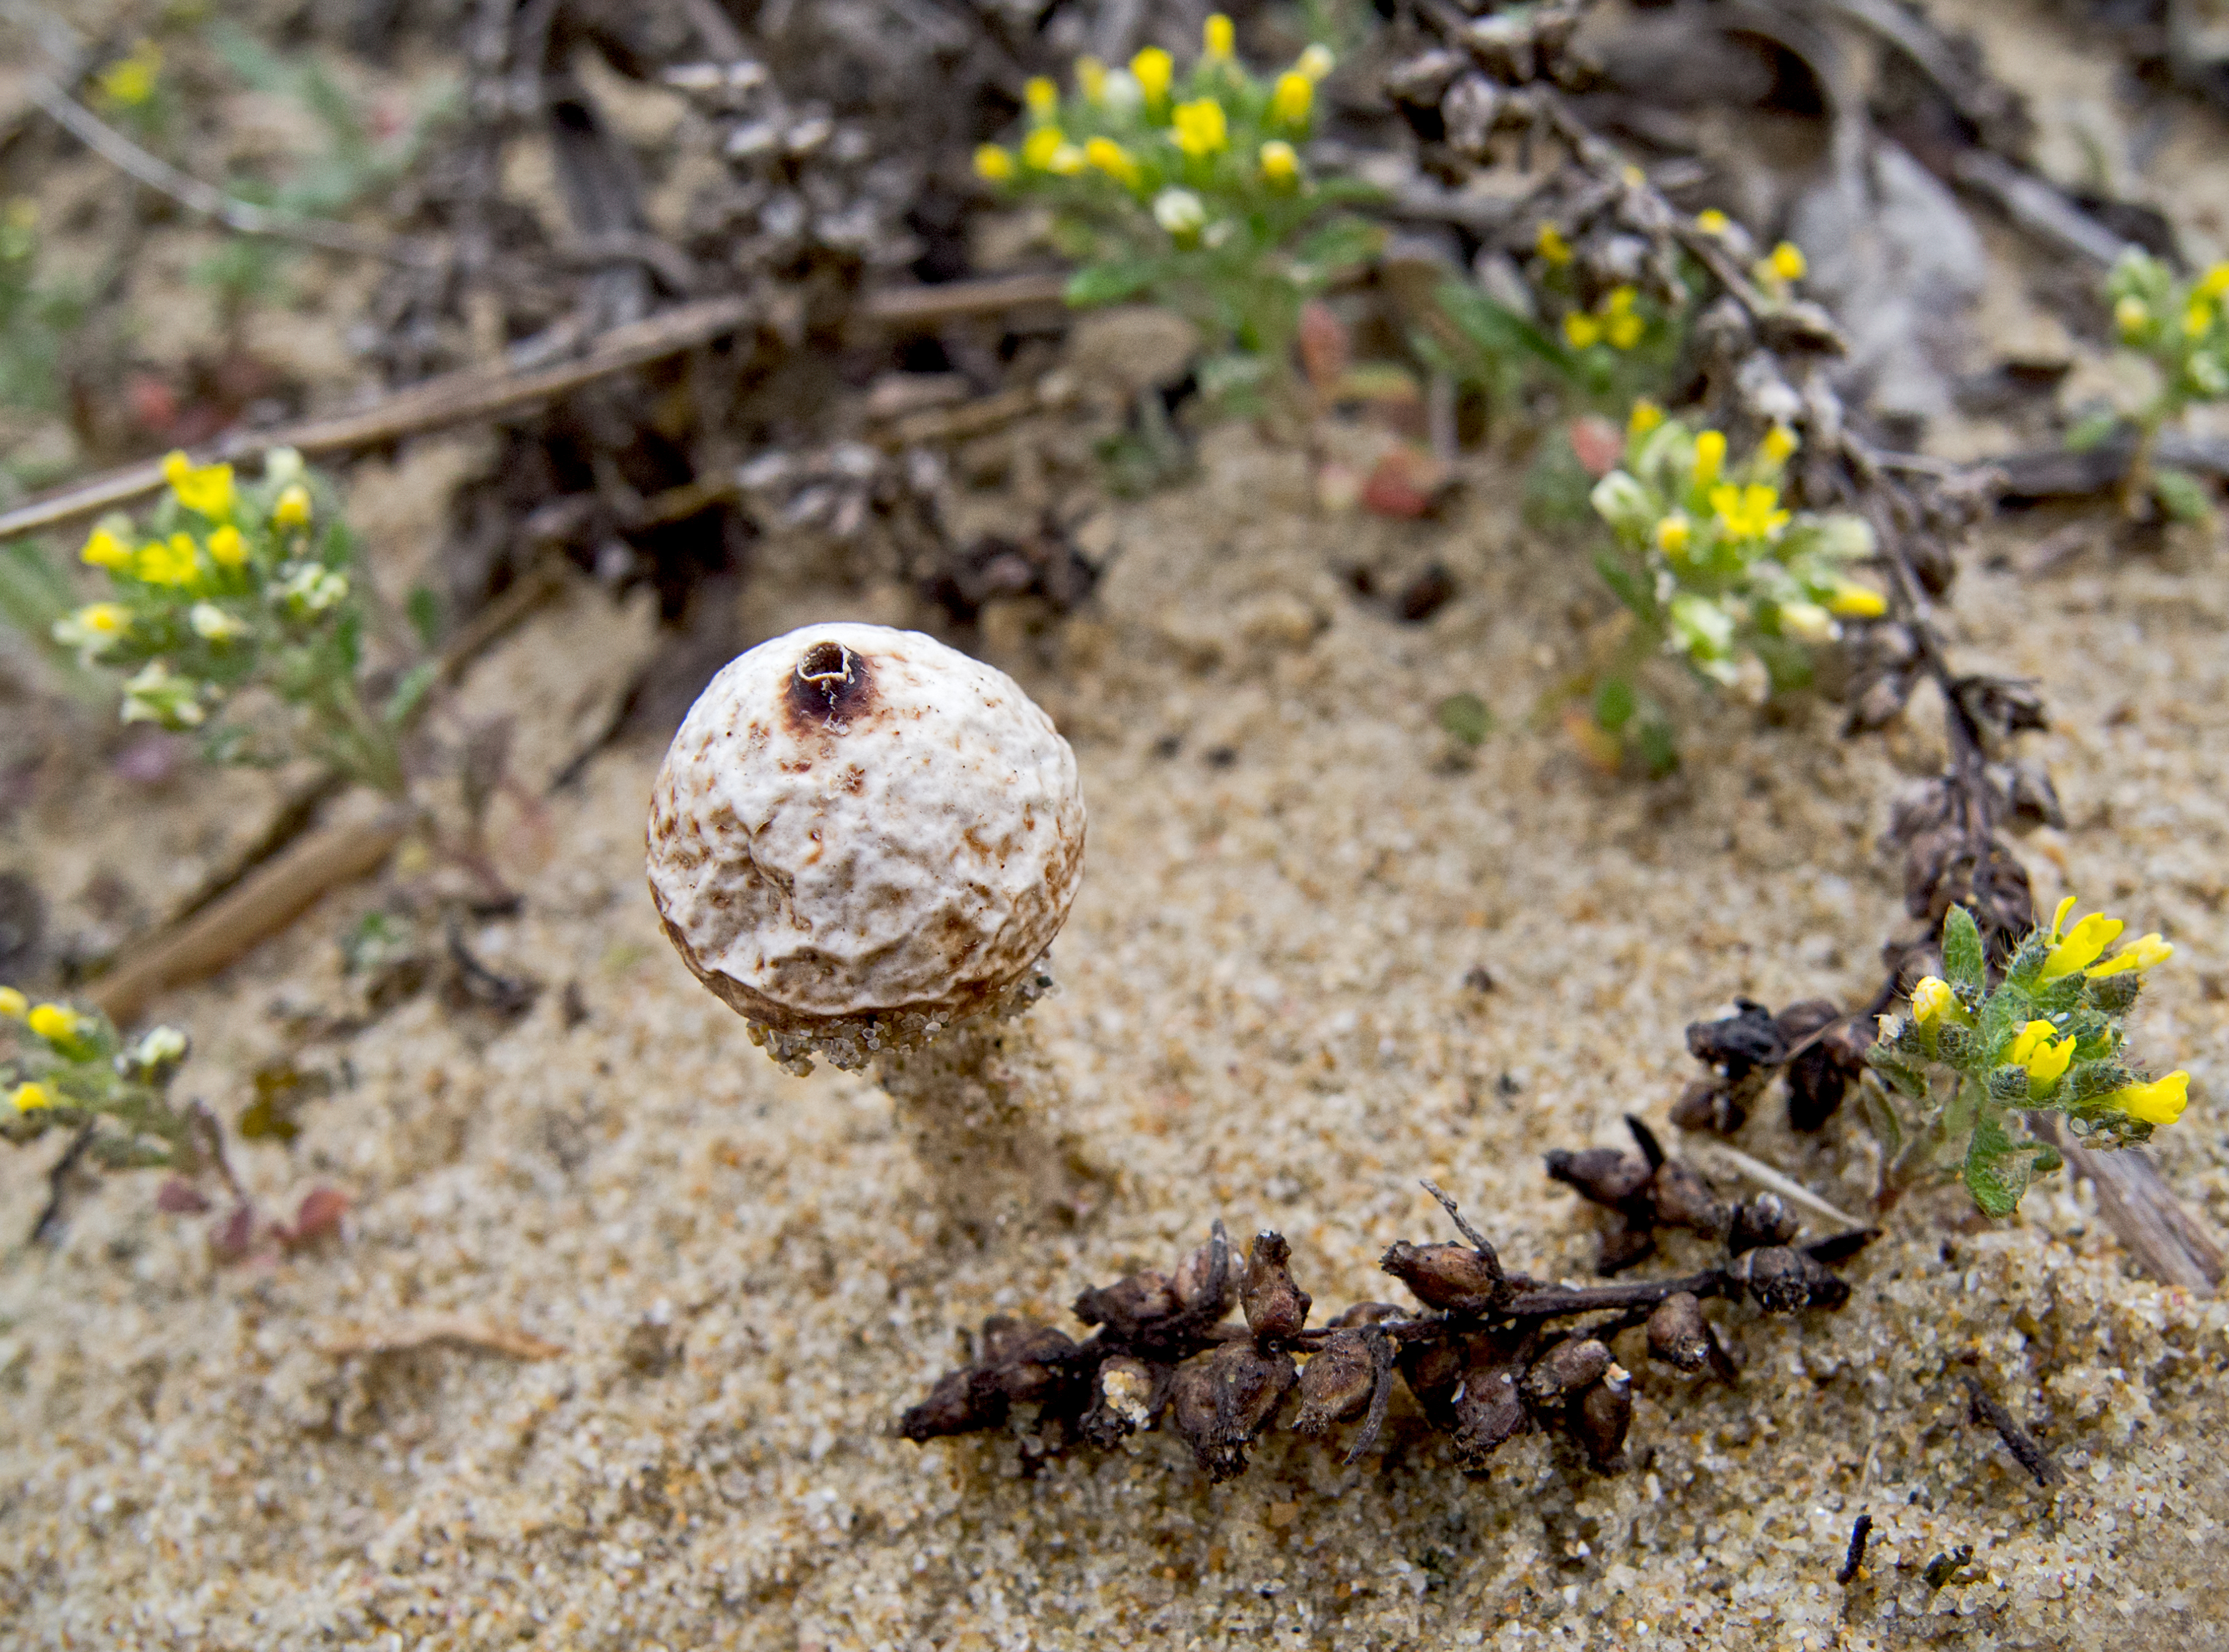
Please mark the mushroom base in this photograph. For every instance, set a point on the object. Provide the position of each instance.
(979, 1107)
(850, 1042)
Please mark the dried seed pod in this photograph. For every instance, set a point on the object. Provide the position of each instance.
(1434, 1373)
(1678, 1334)
(1204, 1281)
(1604, 1174)
(1762, 1219)
(1130, 1305)
(1276, 1307)
(1027, 1361)
(1622, 1248)
(1600, 1416)
(1361, 1314)
(1822, 1072)
(1489, 1409)
(1130, 1391)
(1221, 1400)
(1712, 1104)
(1564, 1370)
(961, 1402)
(1336, 1383)
(1457, 1278)
(1783, 1280)
(1739, 1042)
(1683, 1198)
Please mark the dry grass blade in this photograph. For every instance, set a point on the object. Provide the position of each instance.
(441, 1330)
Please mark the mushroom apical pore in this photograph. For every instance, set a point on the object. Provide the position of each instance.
(859, 836)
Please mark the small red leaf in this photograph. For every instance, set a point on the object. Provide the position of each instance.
(321, 1214)
(1406, 483)
(1324, 347)
(178, 1196)
(1599, 444)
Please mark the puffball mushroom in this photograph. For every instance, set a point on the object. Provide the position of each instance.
(860, 836)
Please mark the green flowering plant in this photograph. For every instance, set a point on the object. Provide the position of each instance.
(2181, 328)
(35, 316)
(2048, 1038)
(1193, 195)
(1716, 569)
(228, 586)
(73, 1072)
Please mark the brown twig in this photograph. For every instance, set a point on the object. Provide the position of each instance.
(2018, 1441)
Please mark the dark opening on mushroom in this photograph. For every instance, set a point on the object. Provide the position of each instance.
(832, 684)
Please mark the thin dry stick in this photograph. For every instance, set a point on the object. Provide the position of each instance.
(479, 393)
(195, 196)
(2168, 1242)
(452, 1330)
(258, 907)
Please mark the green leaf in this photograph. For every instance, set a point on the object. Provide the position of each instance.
(2182, 495)
(1498, 331)
(2092, 429)
(1880, 1115)
(1111, 283)
(1999, 1169)
(423, 607)
(1659, 752)
(1614, 704)
(1962, 962)
(1910, 1082)
(1626, 585)
(409, 693)
(1467, 718)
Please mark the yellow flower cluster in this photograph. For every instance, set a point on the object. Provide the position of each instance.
(2078, 949)
(1614, 321)
(129, 83)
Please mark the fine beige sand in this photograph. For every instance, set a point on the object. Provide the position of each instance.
(1261, 1016)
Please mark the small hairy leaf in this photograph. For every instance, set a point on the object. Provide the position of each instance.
(1962, 961)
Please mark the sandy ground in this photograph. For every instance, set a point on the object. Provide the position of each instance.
(1262, 1017)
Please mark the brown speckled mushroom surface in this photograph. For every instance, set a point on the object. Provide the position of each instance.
(857, 825)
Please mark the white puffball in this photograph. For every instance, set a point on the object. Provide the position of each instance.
(860, 834)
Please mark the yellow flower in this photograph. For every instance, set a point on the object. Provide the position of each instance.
(13, 1004)
(170, 561)
(1645, 417)
(1673, 534)
(1217, 38)
(130, 80)
(1710, 456)
(105, 550)
(1779, 443)
(56, 1022)
(2159, 1101)
(992, 163)
(1711, 221)
(1624, 331)
(1786, 262)
(2197, 316)
(1295, 95)
(1066, 161)
(1040, 145)
(1152, 68)
(1932, 1001)
(1855, 601)
(1091, 79)
(1111, 158)
(2131, 315)
(29, 1098)
(2081, 945)
(1618, 301)
(1551, 245)
(1279, 163)
(2215, 282)
(1581, 331)
(1199, 127)
(1315, 62)
(1041, 96)
(206, 491)
(2041, 1050)
(2139, 954)
(1751, 512)
(226, 549)
(93, 626)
